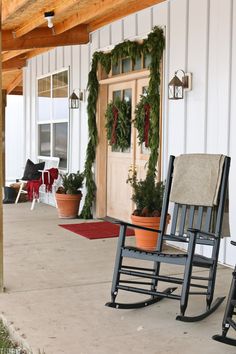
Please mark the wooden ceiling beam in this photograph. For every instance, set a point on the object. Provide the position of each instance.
(18, 90)
(120, 13)
(11, 7)
(13, 53)
(92, 11)
(39, 19)
(16, 82)
(13, 64)
(35, 52)
(100, 9)
(43, 38)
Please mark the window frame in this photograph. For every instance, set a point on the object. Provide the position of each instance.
(52, 120)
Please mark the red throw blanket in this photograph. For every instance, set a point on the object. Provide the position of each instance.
(48, 177)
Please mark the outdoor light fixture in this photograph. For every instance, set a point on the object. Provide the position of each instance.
(177, 86)
(49, 17)
(74, 99)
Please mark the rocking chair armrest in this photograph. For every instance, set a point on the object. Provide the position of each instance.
(137, 226)
(200, 232)
(175, 238)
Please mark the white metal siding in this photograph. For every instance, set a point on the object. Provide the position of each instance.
(200, 38)
(14, 142)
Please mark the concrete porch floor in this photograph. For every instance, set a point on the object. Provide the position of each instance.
(57, 284)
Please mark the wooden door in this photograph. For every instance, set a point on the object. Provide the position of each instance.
(119, 204)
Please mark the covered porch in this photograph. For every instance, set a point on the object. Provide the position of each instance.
(58, 282)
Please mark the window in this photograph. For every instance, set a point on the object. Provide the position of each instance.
(53, 117)
(127, 65)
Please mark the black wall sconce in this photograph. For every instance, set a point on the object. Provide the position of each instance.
(74, 99)
(177, 86)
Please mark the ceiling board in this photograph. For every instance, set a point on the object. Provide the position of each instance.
(25, 32)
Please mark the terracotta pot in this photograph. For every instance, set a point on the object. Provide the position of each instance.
(147, 240)
(68, 205)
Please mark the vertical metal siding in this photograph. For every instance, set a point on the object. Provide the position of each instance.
(200, 38)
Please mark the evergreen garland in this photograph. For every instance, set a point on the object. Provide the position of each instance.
(139, 121)
(118, 132)
(92, 87)
(126, 49)
(153, 45)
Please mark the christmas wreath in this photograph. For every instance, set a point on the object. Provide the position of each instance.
(142, 120)
(118, 124)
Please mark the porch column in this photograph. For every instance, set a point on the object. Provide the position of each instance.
(4, 103)
(1, 164)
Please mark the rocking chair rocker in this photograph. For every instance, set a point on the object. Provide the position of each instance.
(229, 313)
(204, 224)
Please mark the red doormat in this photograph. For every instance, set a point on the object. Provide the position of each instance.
(96, 230)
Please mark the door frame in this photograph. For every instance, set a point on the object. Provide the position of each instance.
(101, 151)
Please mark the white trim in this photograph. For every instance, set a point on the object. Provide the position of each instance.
(53, 121)
(64, 68)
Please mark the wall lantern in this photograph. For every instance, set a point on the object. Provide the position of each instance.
(74, 99)
(177, 86)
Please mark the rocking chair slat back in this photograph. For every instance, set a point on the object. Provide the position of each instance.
(191, 216)
(208, 219)
(185, 217)
(174, 219)
(199, 218)
(182, 219)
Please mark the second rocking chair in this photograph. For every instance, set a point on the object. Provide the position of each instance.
(230, 312)
(195, 176)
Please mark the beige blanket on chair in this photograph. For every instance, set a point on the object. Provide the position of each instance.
(196, 181)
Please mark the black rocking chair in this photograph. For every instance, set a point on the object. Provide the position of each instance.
(229, 313)
(199, 232)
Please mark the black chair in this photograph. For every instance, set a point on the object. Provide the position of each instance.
(229, 313)
(200, 232)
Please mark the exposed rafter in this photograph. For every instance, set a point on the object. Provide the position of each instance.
(10, 8)
(18, 90)
(13, 64)
(35, 52)
(25, 33)
(37, 21)
(42, 38)
(119, 13)
(90, 12)
(13, 53)
(17, 80)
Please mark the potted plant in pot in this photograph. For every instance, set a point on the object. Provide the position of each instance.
(68, 195)
(148, 197)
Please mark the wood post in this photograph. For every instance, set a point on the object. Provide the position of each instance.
(1, 162)
(4, 101)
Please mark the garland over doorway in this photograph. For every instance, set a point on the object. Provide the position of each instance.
(153, 45)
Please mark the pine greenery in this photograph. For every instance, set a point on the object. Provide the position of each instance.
(72, 182)
(147, 195)
(139, 121)
(123, 129)
(153, 45)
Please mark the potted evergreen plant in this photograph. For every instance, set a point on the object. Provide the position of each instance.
(148, 197)
(68, 195)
